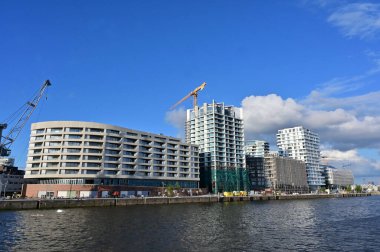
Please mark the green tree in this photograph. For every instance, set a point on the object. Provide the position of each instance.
(358, 188)
(348, 188)
(169, 190)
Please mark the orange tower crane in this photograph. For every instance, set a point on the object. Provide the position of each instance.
(194, 94)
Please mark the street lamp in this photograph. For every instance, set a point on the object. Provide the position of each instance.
(5, 187)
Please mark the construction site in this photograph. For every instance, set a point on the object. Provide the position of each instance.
(218, 131)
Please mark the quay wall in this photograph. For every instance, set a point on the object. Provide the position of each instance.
(24, 204)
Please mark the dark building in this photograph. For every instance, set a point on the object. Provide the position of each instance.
(256, 174)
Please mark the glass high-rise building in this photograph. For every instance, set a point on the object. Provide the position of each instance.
(219, 132)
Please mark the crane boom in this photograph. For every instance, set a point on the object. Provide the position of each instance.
(8, 140)
(193, 93)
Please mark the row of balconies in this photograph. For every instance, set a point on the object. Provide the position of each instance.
(114, 173)
(110, 169)
(99, 140)
(86, 150)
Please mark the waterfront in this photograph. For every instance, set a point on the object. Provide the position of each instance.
(321, 224)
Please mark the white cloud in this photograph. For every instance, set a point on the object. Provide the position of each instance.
(265, 114)
(361, 166)
(177, 118)
(340, 128)
(357, 20)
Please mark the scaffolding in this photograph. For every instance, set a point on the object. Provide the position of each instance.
(228, 180)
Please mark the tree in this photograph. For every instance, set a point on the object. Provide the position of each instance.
(358, 188)
(170, 189)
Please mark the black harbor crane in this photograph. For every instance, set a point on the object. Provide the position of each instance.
(7, 140)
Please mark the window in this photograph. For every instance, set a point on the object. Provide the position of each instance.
(114, 159)
(72, 164)
(95, 130)
(93, 144)
(73, 136)
(107, 165)
(92, 151)
(113, 131)
(109, 138)
(53, 150)
(112, 152)
(74, 129)
(72, 157)
(112, 145)
(72, 143)
(94, 137)
(56, 130)
(71, 150)
(40, 131)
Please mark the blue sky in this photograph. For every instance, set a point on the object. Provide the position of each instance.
(315, 63)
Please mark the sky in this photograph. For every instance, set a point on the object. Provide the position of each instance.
(125, 63)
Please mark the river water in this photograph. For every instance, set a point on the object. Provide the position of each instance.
(349, 224)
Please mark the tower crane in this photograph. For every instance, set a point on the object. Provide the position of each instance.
(194, 94)
(7, 140)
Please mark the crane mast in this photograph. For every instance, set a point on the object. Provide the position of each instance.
(193, 93)
(7, 141)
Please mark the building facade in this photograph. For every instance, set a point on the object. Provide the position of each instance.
(11, 178)
(219, 132)
(256, 148)
(256, 172)
(303, 144)
(67, 154)
(337, 178)
(285, 174)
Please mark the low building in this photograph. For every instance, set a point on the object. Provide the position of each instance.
(337, 178)
(256, 172)
(11, 178)
(86, 159)
(285, 174)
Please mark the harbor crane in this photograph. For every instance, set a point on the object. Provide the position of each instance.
(28, 108)
(194, 94)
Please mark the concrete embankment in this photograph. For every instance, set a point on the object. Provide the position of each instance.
(122, 202)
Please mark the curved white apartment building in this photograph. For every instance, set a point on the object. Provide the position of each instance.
(74, 152)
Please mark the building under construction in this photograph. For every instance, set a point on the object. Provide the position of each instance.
(285, 174)
(219, 132)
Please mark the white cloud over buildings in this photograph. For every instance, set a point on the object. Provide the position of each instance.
(341, 127)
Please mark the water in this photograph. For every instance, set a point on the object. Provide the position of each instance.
(350, 224)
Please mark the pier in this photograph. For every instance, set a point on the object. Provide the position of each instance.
(27, 204)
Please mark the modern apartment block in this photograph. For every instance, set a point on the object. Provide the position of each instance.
(219, 132)
(336, 178)
(256, 148)
(303, 144)
(76, 153)
(285, 174)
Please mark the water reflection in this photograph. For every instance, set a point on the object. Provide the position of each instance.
(305, 225)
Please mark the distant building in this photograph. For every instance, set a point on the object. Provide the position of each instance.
(11, 178)
(337, 178)
(256, 148)
(303, 144)
(219, 132)
(285, 174)
(86, 159)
